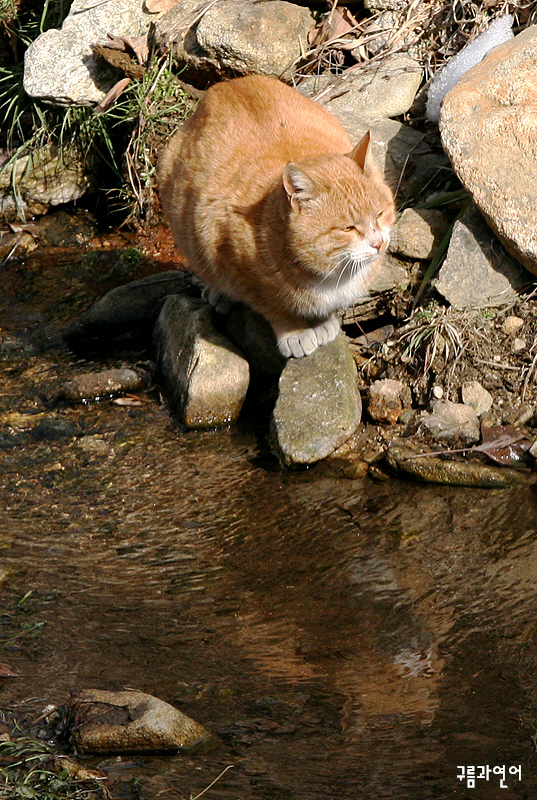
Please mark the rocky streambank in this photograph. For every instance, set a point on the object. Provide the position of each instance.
(455, 373)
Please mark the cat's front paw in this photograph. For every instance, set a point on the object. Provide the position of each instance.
(305, 342)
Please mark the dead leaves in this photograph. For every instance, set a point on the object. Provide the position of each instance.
(159, 6)
(127, 53)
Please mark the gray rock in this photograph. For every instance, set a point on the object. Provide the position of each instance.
(60, 67)
(386, 5)
(235, 37)
(130, 721)
(318, 405)
(476, 396)
(418, 233)
(450, 422)
(488, 123)
(33, 183)
(125, 309)
(205, 376)
(477, 271)
(387, 400)
(108, 382)
(386, 89)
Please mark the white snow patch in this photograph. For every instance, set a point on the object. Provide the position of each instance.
(498, 32)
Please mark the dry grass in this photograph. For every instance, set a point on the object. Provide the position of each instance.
(430, 30)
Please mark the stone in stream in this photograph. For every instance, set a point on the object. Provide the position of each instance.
(127, 311)
(108, 382)
(205, 376)
(130, 721)
(318, 405)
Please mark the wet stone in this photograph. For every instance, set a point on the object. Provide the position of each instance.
(109, 382)
(130, 721)
(205, 376)
(126, 311)
(318, 405)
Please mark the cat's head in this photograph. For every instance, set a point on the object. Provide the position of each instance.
(340, 210)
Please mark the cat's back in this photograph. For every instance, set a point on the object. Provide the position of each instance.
(255, 117)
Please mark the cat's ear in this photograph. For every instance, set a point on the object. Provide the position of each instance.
(361, 154)
(298, 185)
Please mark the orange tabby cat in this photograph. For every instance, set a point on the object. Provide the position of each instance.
(270, 204)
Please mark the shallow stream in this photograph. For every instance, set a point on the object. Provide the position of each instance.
(345, 639)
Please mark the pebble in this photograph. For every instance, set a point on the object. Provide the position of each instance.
(512, 325)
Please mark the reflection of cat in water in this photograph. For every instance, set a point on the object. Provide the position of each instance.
(270, 204)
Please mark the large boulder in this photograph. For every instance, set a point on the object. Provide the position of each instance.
(234, 37)
(318, 405)
(60, 66)
(488, 124)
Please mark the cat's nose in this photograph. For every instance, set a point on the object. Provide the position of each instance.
(375, 240)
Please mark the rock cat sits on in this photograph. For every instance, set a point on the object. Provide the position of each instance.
(270, 204)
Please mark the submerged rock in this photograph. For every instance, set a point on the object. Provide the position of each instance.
(408, 462)
(318, 405)
(130, 721)
(231, 39)
(488, 123)
(205, 376)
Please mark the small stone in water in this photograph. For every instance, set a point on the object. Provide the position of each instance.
(93, 385)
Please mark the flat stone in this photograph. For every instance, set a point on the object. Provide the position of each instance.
(318, 405)
(450, 422)
(488, 124)
(130, 721)
(60, 66)
(386, 89)
(107, 383)
(477, 272)
(418, 233)
(205, 376)
(235, 38)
